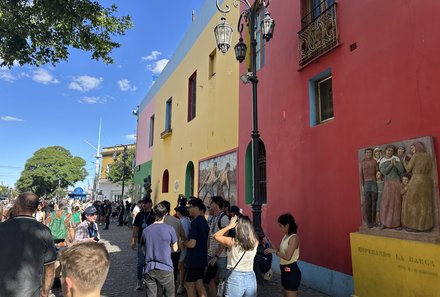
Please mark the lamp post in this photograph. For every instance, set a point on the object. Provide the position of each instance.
(223, 35)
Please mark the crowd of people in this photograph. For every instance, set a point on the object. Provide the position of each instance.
(42, 242)
(203, 250)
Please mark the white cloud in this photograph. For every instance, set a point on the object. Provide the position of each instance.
(11, 119)
(152, 57)
(131, 137)
(85, 83)
(158, 66)
(6, 75)
(92, 100)
(124, 85)
(43, 76)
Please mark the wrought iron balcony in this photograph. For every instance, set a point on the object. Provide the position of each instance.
(319, 32)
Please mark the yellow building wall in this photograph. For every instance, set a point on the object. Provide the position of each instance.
(214, 129)
(389, 267)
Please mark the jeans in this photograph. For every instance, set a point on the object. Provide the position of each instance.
(162, 279)
(241, 284)
(140, 262)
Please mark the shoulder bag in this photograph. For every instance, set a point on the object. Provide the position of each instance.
(222, 285)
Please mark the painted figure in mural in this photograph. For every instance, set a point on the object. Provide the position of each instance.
(377, 154)
(417, 212)
(391, 203)
(210, 180)
(369, 168)
(223, 181)
(379, 182)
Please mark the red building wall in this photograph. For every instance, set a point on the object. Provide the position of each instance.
(384, 91)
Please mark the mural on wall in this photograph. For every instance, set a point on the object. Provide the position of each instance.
(218, 177)
(399, 187)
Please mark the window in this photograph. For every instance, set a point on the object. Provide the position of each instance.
(169, 109)
(319, 33)
(212, 63)
(165, 181)
(312, 9)
(107, 169)
(192, 88)
(151, 136)
(321, 98)
(261, 42)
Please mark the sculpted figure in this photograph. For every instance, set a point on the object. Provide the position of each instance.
(417, 212)
(391, 204)
(401, 149)
(377, 154)
(379, 182)
(369, 168)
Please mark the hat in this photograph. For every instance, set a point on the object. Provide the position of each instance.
(182, 210)
(90, 210)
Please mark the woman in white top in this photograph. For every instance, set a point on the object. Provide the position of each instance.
(288, 254)
(241, 249)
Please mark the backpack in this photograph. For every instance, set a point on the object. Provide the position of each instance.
(57, 226)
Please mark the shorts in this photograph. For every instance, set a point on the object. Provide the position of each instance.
(182, 255)
(219, 268)
(194, 274)
(290, 276)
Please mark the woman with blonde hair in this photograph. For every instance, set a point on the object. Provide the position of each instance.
(241, 281)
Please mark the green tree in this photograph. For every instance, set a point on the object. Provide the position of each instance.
(115, 172)
(41, 31)
(49, 169)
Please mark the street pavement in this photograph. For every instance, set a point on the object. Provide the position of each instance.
(121, 279)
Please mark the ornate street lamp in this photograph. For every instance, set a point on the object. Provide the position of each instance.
(223, 35)
(267, 26)
(240, 50)
(249, 16)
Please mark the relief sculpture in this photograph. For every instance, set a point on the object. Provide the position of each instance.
(398, 186)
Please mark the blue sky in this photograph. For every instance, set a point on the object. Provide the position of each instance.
(61, 105)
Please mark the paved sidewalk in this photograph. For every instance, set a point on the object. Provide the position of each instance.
(121, 279)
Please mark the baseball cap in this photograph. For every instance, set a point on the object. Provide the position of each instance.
(90, 210)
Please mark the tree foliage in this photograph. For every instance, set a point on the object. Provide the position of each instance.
(115, 172)
(37, 32)
(49, 169)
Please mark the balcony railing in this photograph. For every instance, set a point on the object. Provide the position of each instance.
(319, 33)
(167, 132)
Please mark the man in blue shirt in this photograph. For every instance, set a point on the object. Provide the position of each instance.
(197, 249)
(159, 239)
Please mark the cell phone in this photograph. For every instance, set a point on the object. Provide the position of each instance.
(96, 239)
